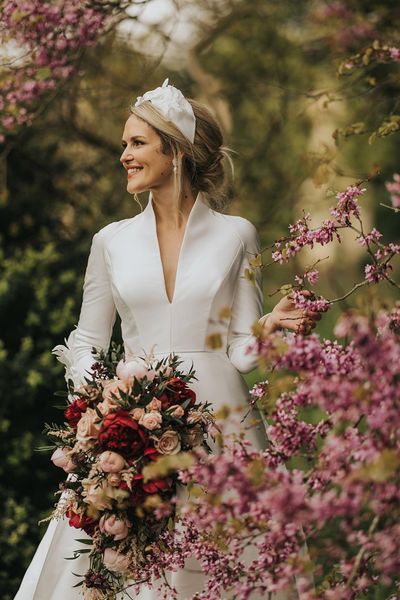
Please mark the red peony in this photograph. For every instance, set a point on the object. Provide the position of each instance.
(74, 411)
(81, 522)
(176, 392)
(122, 434)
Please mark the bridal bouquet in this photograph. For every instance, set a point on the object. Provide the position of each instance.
(128, 432)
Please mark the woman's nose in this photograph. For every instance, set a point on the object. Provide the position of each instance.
(125, 155)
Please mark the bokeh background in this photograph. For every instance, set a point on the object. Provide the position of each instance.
(301, 131)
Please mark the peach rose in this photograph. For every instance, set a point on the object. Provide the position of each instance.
(114, 479)
(111, 525)
(111, 462)
(137, 413)
(106, 406)
(194, 416)
(176, 411)
(113, 388)
(154, 404)
(61, 458)
(88, 427)
(151, 420)
(133, 369)
(100, 495)
(168, 443)
(194, 436)
(115, 561)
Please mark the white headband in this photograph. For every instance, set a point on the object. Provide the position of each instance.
(174, 107)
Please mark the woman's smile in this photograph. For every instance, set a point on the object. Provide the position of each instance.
(132, 171)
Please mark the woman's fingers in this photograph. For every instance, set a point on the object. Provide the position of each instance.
(313, 314)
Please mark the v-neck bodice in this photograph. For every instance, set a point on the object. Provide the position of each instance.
(125, 275)
(198, 207)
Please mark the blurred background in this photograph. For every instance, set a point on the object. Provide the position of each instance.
(300, 122)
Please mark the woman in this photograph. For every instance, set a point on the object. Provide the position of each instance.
(169, 272)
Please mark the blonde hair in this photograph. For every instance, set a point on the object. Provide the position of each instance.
(204, 163)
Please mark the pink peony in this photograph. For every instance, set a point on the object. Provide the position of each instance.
(114, 561)
(111, 462)
(111, 525)
(128, 371)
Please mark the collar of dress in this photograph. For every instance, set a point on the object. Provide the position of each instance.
(199, 209)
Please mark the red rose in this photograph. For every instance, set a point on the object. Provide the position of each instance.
(157, 485)
(122, 434)
(81, 522)
(176, 392)
(74, 411)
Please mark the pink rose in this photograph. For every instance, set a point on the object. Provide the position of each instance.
(88, 427)
(111, 462)
(114, 561)
(176, 411)
(151, 420)
(137, 413)
(133, 369)
(61, 458)
(111, 525)
(154, 404)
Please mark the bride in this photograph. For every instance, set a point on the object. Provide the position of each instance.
(170, 272)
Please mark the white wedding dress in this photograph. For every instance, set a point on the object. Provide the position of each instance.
(124, 274)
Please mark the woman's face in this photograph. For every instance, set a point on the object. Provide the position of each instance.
(146, 165)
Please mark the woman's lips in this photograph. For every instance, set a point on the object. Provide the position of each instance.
(134, 173)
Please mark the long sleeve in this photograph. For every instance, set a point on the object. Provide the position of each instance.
(97, 315)
(247, 305)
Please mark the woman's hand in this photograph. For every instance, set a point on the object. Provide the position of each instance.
(286, 314)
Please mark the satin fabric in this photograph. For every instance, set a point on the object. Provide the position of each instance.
(124, 273)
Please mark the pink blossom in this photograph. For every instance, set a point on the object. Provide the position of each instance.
(393, 187)
(394, 53)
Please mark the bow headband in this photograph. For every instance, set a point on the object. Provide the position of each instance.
(173, 106)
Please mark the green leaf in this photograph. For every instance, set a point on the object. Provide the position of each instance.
(85, 541)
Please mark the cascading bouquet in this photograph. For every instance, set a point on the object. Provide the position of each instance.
(127, 417)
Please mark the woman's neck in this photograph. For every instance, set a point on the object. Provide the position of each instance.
(168, 212)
